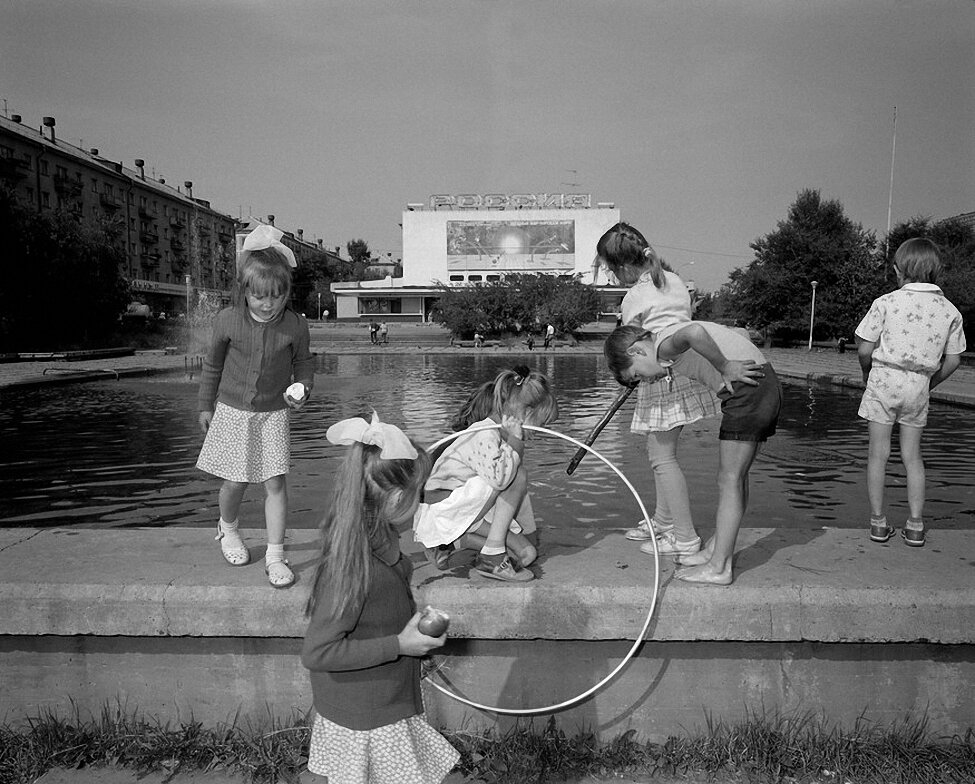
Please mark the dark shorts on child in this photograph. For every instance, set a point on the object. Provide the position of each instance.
(751, 412)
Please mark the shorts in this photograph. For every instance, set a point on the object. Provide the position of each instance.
(896, 395)
(447, 520)
(751, 413)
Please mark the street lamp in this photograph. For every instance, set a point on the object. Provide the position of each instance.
(812, 314)
(319, 306)
(189, 280)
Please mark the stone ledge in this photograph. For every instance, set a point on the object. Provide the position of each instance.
(825, 585)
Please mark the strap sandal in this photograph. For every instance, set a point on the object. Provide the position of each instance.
(913, 537)
(279, 574)
(234, 550)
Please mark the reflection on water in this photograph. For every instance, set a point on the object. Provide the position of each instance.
(122, 453)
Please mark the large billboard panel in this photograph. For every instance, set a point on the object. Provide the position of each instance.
(514, 245)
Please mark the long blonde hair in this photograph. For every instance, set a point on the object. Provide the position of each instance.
(369, 493)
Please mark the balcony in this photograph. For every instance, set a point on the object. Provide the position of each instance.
(149, 260)
(109, 202)
(66, 186)
(177, 222)
(149, 237)
(177, 245)
(145, 212)
(224, 235)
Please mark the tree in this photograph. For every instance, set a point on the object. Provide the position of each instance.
(519, 302)
(816, 242)
(359, 253)
(63, 286)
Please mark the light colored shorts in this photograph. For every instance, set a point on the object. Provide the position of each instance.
(897, 396)
(447, 520)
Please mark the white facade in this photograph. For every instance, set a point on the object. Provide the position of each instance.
(471, 239)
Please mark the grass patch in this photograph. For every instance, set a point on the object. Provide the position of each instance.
(796, 749)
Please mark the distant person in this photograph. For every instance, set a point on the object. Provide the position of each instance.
(910, 341)
(373, 332)
(530, 342)
(259, 346)
(363, 646)
(483, 478)
(841, 345)
(478, 340)
(384, 332)
(732, 366)
(549, 335)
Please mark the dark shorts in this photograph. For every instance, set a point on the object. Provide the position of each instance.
(751, 413)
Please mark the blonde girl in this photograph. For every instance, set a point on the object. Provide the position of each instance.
(479, 481)
(259, 346)
(363, 647)
(657, 299)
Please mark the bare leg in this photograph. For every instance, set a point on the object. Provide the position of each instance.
(734, 460)
(231, 494)
(276, 508)
(910, 442)
(877, 465)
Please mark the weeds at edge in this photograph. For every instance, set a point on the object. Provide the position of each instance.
(764, 747)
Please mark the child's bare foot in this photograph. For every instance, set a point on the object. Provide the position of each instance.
(699, 558)
(705, 574)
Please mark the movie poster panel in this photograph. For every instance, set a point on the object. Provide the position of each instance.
(511, 246)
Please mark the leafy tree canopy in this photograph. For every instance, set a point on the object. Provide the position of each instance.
(520, 302)
(816, 242)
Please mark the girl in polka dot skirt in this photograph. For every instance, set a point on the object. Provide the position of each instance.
(259, 346)
(363, 645)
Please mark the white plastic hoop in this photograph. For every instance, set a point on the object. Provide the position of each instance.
(646, 624)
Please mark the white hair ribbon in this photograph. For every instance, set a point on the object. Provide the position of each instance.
(262, 238)
(394, 443)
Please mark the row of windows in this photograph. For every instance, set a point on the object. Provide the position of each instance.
(474, 278)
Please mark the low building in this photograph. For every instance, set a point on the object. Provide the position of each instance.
(469, 239)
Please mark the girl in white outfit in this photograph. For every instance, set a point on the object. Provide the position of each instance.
(479, 480)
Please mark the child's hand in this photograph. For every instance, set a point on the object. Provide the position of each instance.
(512, 426)
(206, 417)
(413, 642)
(745, 371)
(296, 395)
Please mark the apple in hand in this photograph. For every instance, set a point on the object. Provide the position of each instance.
(433, 622)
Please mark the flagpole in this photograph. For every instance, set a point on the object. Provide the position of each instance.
(890, 192)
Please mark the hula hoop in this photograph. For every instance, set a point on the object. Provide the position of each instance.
(646, 624)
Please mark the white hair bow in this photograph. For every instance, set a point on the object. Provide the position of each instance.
(264, 237)
(394, 443)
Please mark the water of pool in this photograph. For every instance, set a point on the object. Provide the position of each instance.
(122, 453)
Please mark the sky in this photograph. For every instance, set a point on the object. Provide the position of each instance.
(701, 121)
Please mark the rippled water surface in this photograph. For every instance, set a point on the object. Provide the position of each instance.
(122, 453)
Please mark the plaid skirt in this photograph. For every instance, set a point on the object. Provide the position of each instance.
(661, 406)
(408, 751)
(246, 446)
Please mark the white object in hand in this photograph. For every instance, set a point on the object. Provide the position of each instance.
(296, 391)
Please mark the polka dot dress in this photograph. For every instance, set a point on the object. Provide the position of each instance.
(246, 446)
(409, 751)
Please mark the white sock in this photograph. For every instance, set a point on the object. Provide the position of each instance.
(488, 550)
(275, 553)
(228, 528)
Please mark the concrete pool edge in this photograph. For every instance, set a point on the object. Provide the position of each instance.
(154, 614)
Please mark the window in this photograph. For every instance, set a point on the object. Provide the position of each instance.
(109, 190)
(61, 172)
(474, 278)
(493, 277)
(45, 199)
(43, 167)
(457, 278)
(94, 185)
(6, 152)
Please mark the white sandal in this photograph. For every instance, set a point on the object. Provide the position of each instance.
(234, 550)
(279, 574)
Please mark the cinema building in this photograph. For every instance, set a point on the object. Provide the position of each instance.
(467, 239)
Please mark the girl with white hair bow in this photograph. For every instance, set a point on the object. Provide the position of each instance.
(363, 644)
(258, 348)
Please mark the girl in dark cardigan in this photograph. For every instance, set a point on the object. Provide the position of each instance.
(363, 646)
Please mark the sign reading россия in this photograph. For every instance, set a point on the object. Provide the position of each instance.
(500, 201)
